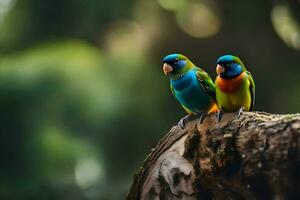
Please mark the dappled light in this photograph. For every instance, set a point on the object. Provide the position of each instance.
(198, 20)
(5, 6)
(172, 5)
(88, 174)
(126, 39)
(286, 26)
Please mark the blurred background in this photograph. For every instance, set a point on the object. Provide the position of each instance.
(82, 95)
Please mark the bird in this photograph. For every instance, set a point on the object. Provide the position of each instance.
(192, 87)
(235, 87)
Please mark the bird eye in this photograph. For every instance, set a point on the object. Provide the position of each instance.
(176, 61)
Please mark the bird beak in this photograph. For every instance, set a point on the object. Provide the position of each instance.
(167, 68)
(220, 69)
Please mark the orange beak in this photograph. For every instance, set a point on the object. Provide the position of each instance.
(167, 68)
(220, 69)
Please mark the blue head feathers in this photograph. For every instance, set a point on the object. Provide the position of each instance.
(229, 66)
(176, 61)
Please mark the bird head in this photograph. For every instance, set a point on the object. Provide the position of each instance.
(229, 66)
(175, 64)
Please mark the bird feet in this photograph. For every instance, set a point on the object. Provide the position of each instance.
(203, 115)
(240, 112)
(219, 115)
(189, 117)
(184, 120)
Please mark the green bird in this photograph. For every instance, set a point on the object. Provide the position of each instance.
(235, 88)
(191, 86)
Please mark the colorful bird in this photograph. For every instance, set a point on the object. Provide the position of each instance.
(235, 88)
(191, 86)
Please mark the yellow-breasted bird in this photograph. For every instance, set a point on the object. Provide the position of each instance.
(191, 86)
(235, 88)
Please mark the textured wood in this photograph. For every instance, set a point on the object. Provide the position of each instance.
(253, 157)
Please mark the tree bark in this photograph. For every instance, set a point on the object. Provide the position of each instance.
(253, 157)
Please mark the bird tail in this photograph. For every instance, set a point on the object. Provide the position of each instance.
(213, 109)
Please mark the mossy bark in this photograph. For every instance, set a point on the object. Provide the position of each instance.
(253, 157)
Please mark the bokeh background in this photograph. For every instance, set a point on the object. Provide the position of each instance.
(82, 95)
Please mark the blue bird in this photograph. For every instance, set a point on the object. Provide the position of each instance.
(191, 86)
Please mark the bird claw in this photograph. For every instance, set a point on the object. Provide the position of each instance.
(183, 121)
(219, 115)
(240, 112)
(202, 117)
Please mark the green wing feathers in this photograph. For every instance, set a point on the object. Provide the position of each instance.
(206, 82)
(252, 89)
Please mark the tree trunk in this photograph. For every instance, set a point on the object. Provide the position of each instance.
(253, 157)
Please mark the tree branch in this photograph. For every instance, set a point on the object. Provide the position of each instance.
(253, 157)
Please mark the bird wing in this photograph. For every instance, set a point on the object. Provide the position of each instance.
(206, 83)
(252, 89)
(185, 108)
